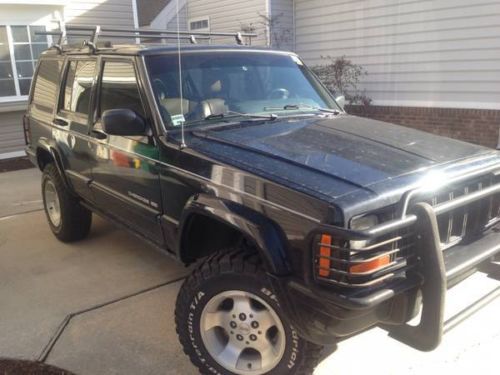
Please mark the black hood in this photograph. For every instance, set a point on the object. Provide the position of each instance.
(354, 151)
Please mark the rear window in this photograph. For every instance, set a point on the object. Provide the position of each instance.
(78, 87)
(46, 84)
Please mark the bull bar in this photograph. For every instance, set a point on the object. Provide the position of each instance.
(433, 268)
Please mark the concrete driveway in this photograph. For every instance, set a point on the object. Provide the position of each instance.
(105, 305)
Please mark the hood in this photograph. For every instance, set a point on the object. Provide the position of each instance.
(333, 155)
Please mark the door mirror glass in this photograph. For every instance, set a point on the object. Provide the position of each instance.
(123, 121)
(340, 101)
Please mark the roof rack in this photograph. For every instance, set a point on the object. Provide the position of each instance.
(94, 32)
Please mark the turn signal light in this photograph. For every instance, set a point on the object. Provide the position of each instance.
(371, 265)
(325, 251)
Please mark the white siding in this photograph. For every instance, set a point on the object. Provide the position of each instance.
(11, 132)
(420, 52)
(230, 15)
(100, 12)
(183, 16)
(283, 10)
(167, 18)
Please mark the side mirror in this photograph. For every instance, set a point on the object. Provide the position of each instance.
(340, 101)
(123, 121)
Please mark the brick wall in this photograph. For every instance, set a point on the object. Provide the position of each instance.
(470, 125)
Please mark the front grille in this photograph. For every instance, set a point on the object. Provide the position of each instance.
(468, 221)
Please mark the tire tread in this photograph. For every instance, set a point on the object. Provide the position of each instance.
(222, 262)
(76, 219)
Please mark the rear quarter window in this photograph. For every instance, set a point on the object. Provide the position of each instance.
(47, 85)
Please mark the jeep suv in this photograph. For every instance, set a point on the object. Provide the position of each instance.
(307, 224)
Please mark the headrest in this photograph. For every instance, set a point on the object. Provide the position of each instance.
(216, 87)
(213, 107)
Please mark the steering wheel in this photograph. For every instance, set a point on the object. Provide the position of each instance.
(161, 88)
(279, 93)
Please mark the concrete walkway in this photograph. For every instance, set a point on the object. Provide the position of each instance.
(105, 305)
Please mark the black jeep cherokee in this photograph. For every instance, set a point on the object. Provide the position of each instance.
(307, 224)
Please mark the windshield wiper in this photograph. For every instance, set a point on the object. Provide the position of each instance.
(294, 107)
(232, 114)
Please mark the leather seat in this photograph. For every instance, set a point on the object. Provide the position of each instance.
(173, 105)
(213, 107)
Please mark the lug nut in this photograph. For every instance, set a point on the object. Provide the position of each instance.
(253, 337)
(233, 324)
(255, 324)
(239, 337)
(243, 317)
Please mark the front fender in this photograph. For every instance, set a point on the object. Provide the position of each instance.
(264, 233)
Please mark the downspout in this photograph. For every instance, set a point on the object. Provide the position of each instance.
(136, 19)
(135, 14)
(268, 26)
(294, 29)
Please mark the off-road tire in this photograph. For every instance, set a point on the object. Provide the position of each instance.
(234, 270)
(75, 219)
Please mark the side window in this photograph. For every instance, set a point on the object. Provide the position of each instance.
(46, 84)
(78, 86)
(119, 88)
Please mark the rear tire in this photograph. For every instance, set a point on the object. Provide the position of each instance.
(68, 219)
(229, 321)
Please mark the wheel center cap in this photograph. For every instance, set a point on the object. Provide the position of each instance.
(244, 328)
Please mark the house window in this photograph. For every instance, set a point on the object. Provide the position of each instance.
(19, 51)
(199, 24)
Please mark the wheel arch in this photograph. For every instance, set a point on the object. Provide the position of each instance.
(47, 153)
(236, 221)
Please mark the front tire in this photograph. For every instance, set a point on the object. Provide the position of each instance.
(68, 219)
(229, 321)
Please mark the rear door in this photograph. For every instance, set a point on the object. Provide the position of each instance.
(43, 102)
(73, 116)
(126, 182)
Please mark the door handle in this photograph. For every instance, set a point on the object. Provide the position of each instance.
(60, 122)
(97, 134)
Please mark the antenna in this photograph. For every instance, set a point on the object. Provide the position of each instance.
(183, 141)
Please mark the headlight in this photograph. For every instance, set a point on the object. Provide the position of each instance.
(362, 223)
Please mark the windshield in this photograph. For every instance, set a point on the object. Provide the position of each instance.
(226, 84)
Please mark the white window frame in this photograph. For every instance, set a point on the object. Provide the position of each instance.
(10, 40)
(198, 19)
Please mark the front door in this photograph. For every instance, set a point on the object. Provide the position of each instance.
(126, 182)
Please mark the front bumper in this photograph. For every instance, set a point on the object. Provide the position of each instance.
(322, 314)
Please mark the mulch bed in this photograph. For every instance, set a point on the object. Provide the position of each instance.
(15, 164)
(21, 367)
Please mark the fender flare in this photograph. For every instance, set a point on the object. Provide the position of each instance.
(267, 236)
(46, 145)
